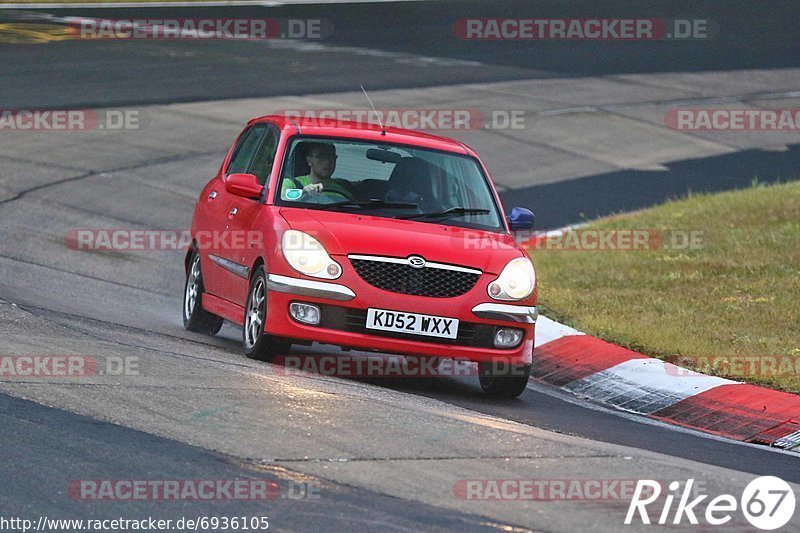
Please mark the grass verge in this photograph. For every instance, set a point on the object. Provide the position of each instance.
(728, 304)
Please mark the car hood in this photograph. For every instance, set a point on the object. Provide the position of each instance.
(349, 233)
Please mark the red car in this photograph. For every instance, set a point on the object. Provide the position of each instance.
(362, 237)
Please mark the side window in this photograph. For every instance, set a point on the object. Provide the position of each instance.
(265, 157)
(243, 153)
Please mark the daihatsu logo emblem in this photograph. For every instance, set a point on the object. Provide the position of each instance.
(416, 261)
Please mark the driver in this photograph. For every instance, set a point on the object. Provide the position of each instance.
(321, 158)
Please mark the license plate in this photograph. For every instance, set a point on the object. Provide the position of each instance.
(412, 323)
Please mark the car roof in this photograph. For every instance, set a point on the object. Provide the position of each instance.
(363, 131)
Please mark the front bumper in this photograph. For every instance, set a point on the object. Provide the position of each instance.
(343, 324)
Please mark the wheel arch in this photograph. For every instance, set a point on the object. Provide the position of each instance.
(257, 263)
(192, 249)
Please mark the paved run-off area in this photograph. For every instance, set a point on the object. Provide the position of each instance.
(583, 147)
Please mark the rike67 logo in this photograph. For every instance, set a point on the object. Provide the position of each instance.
(766, 502)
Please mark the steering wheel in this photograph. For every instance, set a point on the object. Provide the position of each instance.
(329, 195)
(337, 190)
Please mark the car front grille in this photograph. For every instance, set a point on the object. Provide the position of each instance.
(397, 275)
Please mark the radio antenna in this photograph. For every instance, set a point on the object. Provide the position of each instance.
(383, 130)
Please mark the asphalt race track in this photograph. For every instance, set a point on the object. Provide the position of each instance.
(382, 454)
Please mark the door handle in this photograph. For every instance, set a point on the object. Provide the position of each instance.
(233, 212)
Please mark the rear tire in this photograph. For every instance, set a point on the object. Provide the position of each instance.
(256, 343)
(195, 318)
(503, 380)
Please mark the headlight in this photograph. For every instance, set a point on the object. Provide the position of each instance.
(305, 254)
(516, 281)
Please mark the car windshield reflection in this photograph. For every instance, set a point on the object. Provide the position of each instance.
(387, 180)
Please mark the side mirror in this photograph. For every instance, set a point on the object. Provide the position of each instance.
(245, 185)
(520, 219)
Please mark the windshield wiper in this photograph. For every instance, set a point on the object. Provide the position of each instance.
(450, 213)
(369, 204)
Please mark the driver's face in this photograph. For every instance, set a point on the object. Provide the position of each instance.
(322, 162)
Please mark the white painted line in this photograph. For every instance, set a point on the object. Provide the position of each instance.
(60, 5)
(556, 232)
(299, 45)
(643, 386)
(549, 330)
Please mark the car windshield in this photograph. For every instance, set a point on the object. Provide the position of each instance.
(387, 180)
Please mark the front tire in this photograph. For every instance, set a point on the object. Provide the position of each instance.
(257, 344)
(195, 318)
(503, 380)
